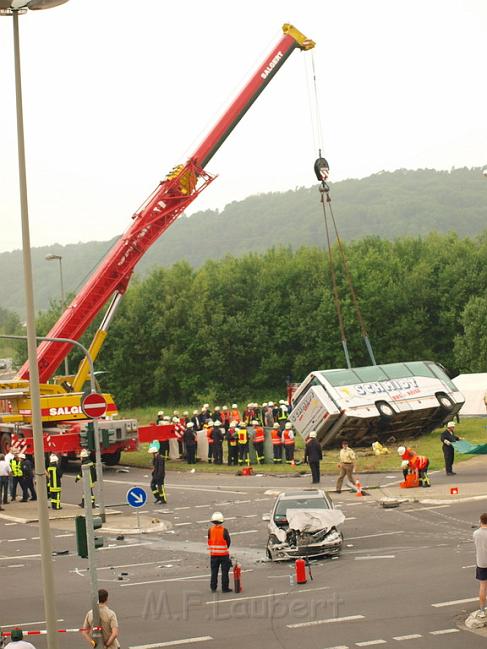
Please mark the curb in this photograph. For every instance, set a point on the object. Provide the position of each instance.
(52, 519)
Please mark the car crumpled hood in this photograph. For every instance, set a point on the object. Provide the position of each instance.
(314, 520)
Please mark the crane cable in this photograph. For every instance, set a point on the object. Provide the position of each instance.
(321, 169)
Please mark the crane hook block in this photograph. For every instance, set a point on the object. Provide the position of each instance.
(322, 169)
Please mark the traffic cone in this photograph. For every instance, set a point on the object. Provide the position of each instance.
(359, 488)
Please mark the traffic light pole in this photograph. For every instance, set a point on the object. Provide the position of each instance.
(100, 498)
(90, 538)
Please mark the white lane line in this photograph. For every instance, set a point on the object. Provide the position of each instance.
(179, 508)
(350, 518)
(172, 643)
(370, 536)
(198, 506)
(126, 565)
(6, 524)
(421, 509)
(370, 642)
(16, 565)
(329, 620)
(24, 556)
(62, 536)
(260, 500)
(15, 540)
(413, 636)
(241, 502)
(162, 581)
(383, 556)
(455, 601)
(245, 532)
(179, 524)
(472, 566)
(307, 590)
(250, 516)
(444, 631)
(21, 624)
(342, 646)
(227, 518)
(37, 538)
(183, 487)
(122, 547)
(240, 599)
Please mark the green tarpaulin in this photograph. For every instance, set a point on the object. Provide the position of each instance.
(472, 449)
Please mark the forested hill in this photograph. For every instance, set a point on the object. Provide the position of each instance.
(387, 204)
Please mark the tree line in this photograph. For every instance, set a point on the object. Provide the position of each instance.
(247, 325)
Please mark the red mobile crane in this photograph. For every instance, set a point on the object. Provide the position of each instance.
(60, 401)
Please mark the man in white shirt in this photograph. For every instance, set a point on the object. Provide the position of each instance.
(5, 473)
(17, 641)
(480, 540)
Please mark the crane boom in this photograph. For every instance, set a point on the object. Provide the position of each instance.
(172, 196)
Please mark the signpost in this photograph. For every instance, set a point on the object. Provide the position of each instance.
(136, 498)
(93, 405)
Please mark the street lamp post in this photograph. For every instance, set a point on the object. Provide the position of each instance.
(13, 8)
(59, 258)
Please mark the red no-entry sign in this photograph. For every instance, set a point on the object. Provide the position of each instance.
(94, 405)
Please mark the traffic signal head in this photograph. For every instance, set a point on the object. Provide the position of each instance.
(97, 523)
(87, 436)
(106, 437)
(81, 537)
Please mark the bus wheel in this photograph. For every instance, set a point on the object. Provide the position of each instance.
(386, 410)
(445, 402)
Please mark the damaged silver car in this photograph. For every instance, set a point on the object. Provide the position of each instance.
(304, 524)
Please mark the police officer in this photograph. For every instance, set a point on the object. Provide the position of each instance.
(189, 438)
(54, 475)
(86, 459)
(158, 475)
(16, 466)
(27, 481)
(313, 454)
(448, 437)
(218, 545)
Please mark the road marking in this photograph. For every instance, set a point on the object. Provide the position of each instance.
(179, 524)
(307, 590)
(328, 620)
(173, 643)
(227, 518)
(420, 509)
(260, 500)
(20, 624)
(383, 556)
(6, 524)
(161, 581)
(36, 538)
(183, 487)
(370, 536)
(444, 631)
(455, 601)
(350, 518)
(15, 540)
(129, 545)
(198, 506)
(342, 646)
(245, 532)
(413, 636)
(179, 508)
(250, 516)
(370, 642)
(125, 565)
(240, 502)
(239, 599)
(472, 566)
(62, 536)
(16, 565)
(24, 556)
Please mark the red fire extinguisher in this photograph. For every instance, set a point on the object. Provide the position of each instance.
(300, 566)
(237, 587)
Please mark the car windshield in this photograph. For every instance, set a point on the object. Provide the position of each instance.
(298, 503)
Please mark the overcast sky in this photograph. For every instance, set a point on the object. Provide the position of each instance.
(116, 93)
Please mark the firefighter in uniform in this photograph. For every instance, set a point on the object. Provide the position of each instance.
(276, 443)
(289, 444)
(282, 413)
(16, 467)
(243, 443)
(232, 444)
(235, 413)
(226, 417)
(54, 475)
(258, 441)
(209, 439)
(85, 459)
(218, 545)
(412, 462)
(189, 437)
(218, 434)
(158, 475)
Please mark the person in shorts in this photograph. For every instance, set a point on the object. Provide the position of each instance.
(108, 623)
(480, 540)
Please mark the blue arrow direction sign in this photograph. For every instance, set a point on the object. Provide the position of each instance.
(136, 497)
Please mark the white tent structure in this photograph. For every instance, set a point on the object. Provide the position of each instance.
(474, 388)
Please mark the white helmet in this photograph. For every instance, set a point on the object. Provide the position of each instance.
(185, 413)
(254, 422)
(225, 408)
(233, 424)
(276, 425)
(175, 420)
(209, 422)
(450, 424)
(84, 453)
(401, 450)
(217, 517)
(195, 412)
(217, 407)
(288, 425)
(176, 413)
(264, 405)
(206, 405)
(190, 424)
(234, 405)
(53, 458)
(22, 456)
(281, 401)
(217, 423)
(160, 413)
(167, 418)
(312, 434)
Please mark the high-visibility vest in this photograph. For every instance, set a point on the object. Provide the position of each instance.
(419, 462)
(408, 454)
(276, 439)
(16, 468)
(235, 415)
(226, 417)
(209, 433)
(242, 436)
(216, 542)
(232, 437)
(259, 434)
(283, 413)
(53, 473)
(288, 437)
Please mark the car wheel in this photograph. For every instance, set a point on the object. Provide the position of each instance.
(385, 409)
(445, 402)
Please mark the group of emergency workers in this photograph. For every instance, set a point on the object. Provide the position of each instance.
(236, 429)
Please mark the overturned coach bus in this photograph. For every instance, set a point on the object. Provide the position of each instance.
(378, 402)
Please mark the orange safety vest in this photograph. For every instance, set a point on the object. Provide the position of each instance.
(235, 415)
(288, 440)
(418, 462)
(209, 432)
(408, 454)
(225, 417)
(216, 543)
(276, 440)
(259, 434)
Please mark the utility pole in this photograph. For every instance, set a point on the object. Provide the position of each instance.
(90, 539)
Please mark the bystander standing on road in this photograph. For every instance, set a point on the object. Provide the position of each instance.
(480, 540)
(346, 465)
(17, 641)
(108, 622)
(313, 455)
(448, 437)
(5, 473)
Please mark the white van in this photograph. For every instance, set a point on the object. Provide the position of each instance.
(378, 402)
